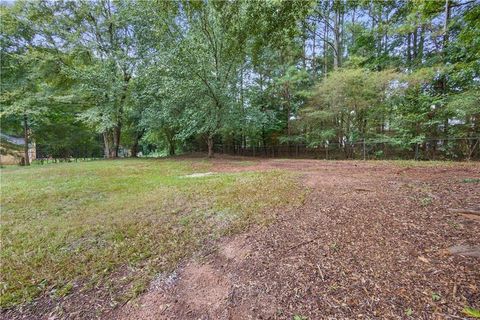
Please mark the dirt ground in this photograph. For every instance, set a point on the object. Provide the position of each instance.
(371, 241)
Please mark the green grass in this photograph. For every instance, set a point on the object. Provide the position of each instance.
(76, 225)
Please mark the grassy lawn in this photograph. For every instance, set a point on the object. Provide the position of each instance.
(72, 226)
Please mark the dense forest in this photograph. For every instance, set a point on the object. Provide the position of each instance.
(333, 78)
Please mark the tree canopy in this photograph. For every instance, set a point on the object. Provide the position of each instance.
(139, 77)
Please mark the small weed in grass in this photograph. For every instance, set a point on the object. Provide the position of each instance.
(471, 180)
(335, 247)
(298, 317)
(454, 225)
(436, 296)
(65, 290)
(425, 201)
(471, 312)
(138, 288)
(408, 312)
(334, 287)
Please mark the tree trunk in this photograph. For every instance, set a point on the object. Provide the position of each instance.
(304, 47)
(25, 135)
(415, 40)
(210, 146)
(116, 139)
(106, 145)
(378, 35)
(264, 141)
(171, 148)
(134, 148)
(117, 131)
(353, 25)
(337, 34)
(409, 49)
(444, 77)
(289, 109)
(171, 142)
(446, 22)
(325, 51)
(421, 44)
(314, 44)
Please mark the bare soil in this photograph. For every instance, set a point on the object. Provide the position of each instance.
(372, 240)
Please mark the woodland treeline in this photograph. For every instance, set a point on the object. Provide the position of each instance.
(174, 76)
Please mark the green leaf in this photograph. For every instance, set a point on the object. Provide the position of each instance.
(471, 312)
(409, 312)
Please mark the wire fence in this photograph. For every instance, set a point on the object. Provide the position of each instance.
(429, 149)
(457, 149)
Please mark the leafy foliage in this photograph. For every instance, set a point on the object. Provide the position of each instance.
(186, 75)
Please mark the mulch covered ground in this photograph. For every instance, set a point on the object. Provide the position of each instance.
(370, 241)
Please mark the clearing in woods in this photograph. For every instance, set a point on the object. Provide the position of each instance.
(271, 239)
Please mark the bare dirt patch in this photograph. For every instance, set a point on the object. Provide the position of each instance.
(198, 175)
(204, 289)
(371, 241)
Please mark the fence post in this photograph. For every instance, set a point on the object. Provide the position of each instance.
(364, 154)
